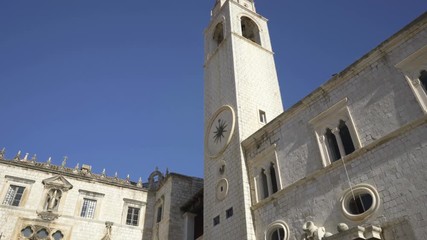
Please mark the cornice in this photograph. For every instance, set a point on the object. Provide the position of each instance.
(73, 173)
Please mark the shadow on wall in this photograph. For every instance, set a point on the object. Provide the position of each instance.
(400, 228)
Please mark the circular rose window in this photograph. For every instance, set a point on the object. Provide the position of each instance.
(360, 202)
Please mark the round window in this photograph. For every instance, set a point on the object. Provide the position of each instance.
(360, 202)
(277, 230)
(222, 189)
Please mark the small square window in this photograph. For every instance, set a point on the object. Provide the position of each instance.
(132, 216)
(14, 195)
(88, 208)
(262, 117)
(216, 220)
(229, 213)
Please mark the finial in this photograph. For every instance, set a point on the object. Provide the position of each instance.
(17, 156)
(103, 172)
(157, 168)
(2, 153)
(76, 168)
(139, 184)
(26, 157)
(116, 175)
(49, 161)
(64, 162)
(34, 158)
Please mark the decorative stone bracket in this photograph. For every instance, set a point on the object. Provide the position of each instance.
(48, 215)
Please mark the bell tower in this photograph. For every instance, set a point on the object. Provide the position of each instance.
(241, 95)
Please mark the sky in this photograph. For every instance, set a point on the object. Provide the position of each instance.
(119, 84)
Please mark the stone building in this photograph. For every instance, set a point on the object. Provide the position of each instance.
(345, 162)
(45, 201)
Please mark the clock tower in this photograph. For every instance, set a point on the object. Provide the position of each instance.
(241, 95)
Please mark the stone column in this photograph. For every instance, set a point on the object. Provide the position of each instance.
(336, 133)
(258, 185)
(325, 151)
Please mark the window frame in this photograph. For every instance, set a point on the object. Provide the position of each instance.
(261, 165)
(19, 182)
(272, 227)
(132, 221)
(131, 203)
(262, 116)
(255, 29)
(11, 201)
(94, 196)
(356, 190)
(87, 214)
(37, 227)
(330, 119)
(411, 68)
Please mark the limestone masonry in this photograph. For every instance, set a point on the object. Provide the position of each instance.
(346, 162)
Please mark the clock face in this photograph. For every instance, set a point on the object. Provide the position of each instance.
(219, 132)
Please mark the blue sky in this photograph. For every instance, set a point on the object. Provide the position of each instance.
(119, 84)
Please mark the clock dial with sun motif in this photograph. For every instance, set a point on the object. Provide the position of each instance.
(219, 131)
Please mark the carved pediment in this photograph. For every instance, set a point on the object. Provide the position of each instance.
(57, 182)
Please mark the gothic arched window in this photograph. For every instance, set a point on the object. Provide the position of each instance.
(273, 178)
(332, 143)
(250, 30)
(264, 183)
(347, 142)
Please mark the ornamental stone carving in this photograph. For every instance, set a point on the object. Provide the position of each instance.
(312, 232)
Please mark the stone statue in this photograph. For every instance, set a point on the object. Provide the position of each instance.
(312, 232)
(108, 228)
(53, 198)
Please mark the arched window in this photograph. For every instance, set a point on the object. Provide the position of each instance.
(332, 143)
(218, 35)
(264, 184)
(278, 230)
(423, 79)
(250, 30)
(347, 142)
(273, 178)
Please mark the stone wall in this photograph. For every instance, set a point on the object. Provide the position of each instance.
(112, 200)
(390, 127)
